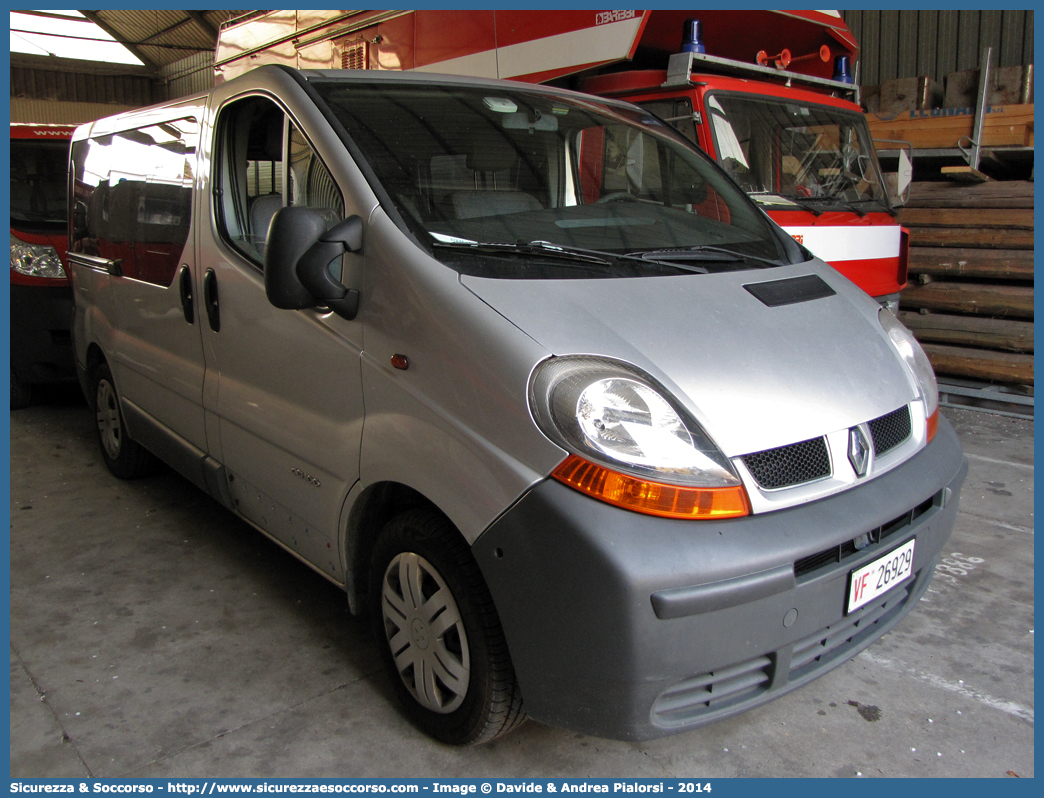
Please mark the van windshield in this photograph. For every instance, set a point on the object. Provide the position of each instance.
(487, 176)
(814, 154)
(39, 170)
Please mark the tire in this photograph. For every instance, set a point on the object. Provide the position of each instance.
(444, 651)
(21, 393)
(125, 458)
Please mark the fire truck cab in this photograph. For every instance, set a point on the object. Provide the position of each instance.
(806, 158)
(41, 297)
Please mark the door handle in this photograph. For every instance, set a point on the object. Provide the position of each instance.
(185, 283)
(210, 300)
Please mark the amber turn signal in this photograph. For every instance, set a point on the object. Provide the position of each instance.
(933, 424)
(652, 498)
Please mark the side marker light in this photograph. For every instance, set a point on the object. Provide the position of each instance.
(933, 424)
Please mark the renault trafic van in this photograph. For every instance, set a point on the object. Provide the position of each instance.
(526, 374)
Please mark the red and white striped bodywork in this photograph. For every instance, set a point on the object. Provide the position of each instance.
(543, 46)
(871, 252)
(535, 46)
(37, 234)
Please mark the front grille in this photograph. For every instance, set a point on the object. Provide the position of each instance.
(790, 465)
(838, 554)
(890, 430)
(689, 699)
(703, 698)
(834, 642)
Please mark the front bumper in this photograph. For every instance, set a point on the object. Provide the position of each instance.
(41, 342)
(632, 627)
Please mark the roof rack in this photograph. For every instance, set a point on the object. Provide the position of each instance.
(682, 65)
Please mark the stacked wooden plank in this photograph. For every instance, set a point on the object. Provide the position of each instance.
(939, 116)
(945, 128)
(970, 296)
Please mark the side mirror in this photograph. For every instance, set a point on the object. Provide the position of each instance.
(897, 183)
(297, 261)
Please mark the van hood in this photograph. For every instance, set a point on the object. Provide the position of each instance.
(754, 376)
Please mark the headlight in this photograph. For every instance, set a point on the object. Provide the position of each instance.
(35, 260)
(632, 446)
(917, 361)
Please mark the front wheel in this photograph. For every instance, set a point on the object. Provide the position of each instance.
(439, 633)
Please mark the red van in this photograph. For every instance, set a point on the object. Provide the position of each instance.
(41, 297)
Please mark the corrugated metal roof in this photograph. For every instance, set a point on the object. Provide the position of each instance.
(161, 37)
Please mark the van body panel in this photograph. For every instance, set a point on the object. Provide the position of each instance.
(140, 201)
(94, 316)
(459, 408)
(162, 373)
(284, 387)
(694, 333)
(170, 447)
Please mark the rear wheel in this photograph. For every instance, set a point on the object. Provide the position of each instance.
(125, 458)
(439, 633)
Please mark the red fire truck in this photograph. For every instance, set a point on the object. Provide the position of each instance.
(769, 94)
(41, 297)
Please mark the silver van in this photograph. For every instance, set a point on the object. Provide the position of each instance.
(588, 437)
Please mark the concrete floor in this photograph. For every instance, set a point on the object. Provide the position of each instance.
(154, 635)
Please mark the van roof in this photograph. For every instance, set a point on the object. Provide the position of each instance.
(363, 77)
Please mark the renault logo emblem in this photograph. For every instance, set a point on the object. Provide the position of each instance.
(858, 451)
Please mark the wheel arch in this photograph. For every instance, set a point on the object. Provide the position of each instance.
(374, 507)
(95, 357)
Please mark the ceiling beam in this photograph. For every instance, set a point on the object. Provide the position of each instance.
(119, 37)
(52, 63)
(201, 21)
(179, 24)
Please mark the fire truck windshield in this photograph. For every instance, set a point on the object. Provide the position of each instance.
(819, 155)
(38, 177)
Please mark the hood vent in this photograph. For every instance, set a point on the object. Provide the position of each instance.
(791, 291)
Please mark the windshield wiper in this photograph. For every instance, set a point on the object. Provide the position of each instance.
(547, 249)
(878, 201)
(541, 248)
(802, 200)
(830, 199)
(705, 252)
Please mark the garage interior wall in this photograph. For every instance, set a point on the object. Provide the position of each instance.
(60, 91)
(907, 44)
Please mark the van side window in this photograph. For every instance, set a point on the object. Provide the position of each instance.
(132, 197)
(253, 181)
(248, 173)
(311, 184)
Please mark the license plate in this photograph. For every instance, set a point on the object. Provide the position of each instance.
(880, 576)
